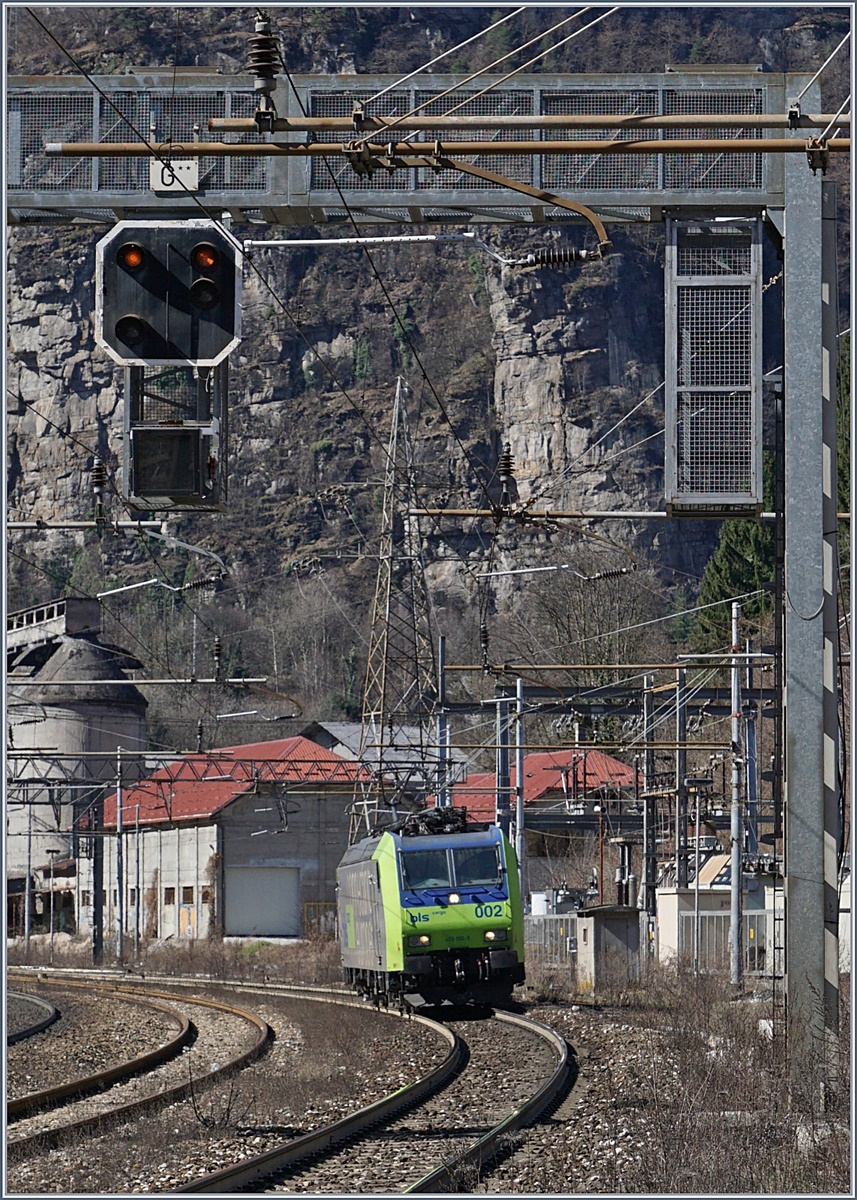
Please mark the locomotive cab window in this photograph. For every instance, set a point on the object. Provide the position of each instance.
(475, 865)
(425, 868)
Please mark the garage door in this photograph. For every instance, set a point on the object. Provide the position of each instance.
(262, 901)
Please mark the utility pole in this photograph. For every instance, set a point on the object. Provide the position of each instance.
(137, 882)
(98, 878)
(503, 772)
(650, 850)
(443, 798)
(120, 913)
(680, 775)
(28, 882)
(736, 824)
(520, 835)
(52, 850)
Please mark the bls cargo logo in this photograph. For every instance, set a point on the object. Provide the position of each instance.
(415, 918)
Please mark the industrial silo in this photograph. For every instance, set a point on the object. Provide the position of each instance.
(72, 718)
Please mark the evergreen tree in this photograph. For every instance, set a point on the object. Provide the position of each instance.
(742, 562)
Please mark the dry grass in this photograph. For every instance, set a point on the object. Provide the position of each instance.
(708, 1104)
(314, 960)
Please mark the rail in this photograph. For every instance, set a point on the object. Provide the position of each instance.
(486, 1148)
(93, 1083)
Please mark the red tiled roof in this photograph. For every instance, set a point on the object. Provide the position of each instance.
(547, 775)
(200, 785)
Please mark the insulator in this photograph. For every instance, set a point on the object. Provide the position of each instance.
(557, 256)
(506, 467)
(206, 582)
(614, 574)
(99, 477)
(483, 637)
(199, 732)
(263, 56)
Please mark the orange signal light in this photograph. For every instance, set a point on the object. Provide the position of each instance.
(131, 256)
(204, 256)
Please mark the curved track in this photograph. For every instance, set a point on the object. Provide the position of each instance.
(431, 1149)
(107, 1108)
(43, 1014)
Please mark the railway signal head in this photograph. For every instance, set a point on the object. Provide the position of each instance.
(167, 292)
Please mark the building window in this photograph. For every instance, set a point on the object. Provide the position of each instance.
(85, 900)
(169, 895)
(104, 898)
(114, 896)
(206, 895)
(187, 895)
(132, 896)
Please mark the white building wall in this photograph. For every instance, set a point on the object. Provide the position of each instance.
(845, 925)
(177, 888)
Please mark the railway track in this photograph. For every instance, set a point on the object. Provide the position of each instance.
(505, 1070)
(493, 1076)
(124, 1090)
(27, 1016)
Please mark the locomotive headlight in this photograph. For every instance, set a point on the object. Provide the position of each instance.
(454, 898)
(495, 935)
(421, 939)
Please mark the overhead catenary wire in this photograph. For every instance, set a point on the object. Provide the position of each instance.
(842, 107)
(440, 57)
(605, 15)
(822, 68)
(523, 67)
(482, 71)
(117, 495)
(265, 283)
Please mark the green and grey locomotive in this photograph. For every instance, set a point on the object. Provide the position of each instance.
(429, 918)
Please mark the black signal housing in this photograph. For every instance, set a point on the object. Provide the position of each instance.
(168, 292)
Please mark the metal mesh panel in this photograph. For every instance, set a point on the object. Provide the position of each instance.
(34, 120)
(710, 257)
(713, 393)
(341, 104)
(715, 442)
(162, 116)
(593, 171)
(174, 117)
(508, 103)
(714, 336)
(713, 172)
(125, 125)
(245, 174)
(172, 395)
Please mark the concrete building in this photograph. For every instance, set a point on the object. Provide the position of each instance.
(695, 921)
(243, 840)
(70, 708)
(608, 950)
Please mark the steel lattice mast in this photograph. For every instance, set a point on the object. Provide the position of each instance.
(400, 691)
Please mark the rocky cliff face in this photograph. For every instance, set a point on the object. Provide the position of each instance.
(550, 362)
(564, 365)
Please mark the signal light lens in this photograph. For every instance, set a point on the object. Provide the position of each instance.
(422, 939)
(454, 898)
(131, 256)
(495, 935)
(130, 330)
(204, 293)
(204, 257)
